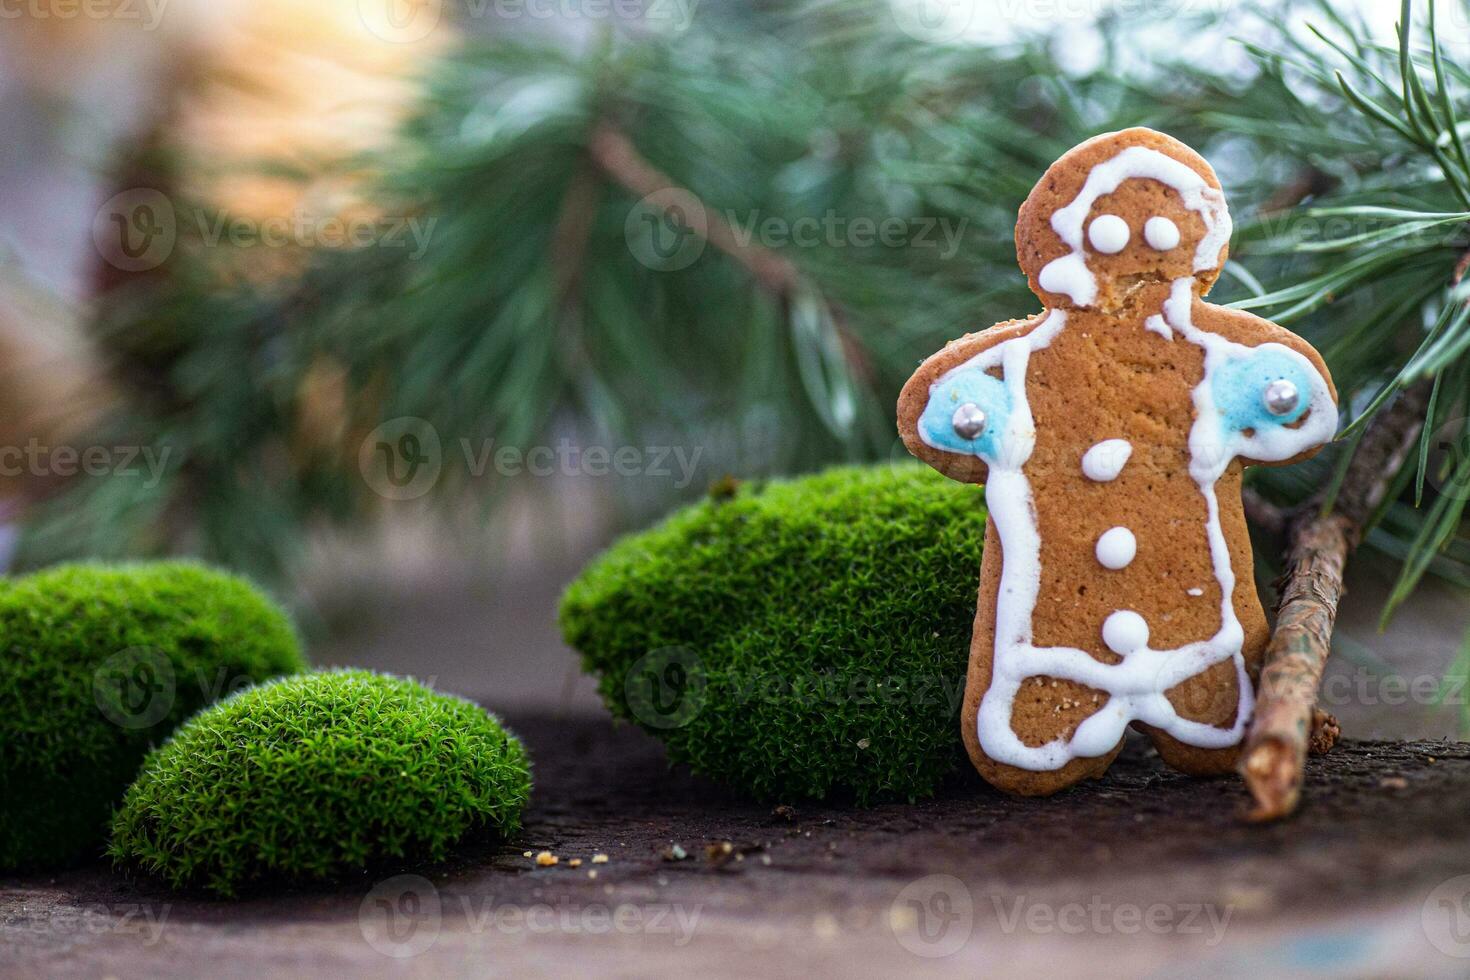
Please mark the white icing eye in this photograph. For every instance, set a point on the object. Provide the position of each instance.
(1108, 234)
(1161, 234)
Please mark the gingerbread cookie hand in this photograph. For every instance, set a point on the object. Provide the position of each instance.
(1111, 433)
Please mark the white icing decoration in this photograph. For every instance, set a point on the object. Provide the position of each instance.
(1069, 274)
(1161, 234)
(1159, 326)
(1104, 461)
(1196, 592)
(1125, 631)
(1109, 234)
(1116, 548)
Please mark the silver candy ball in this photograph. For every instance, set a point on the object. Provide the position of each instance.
(968, 421)
(1281, 397)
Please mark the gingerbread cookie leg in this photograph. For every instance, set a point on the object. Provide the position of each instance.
(1046, 709)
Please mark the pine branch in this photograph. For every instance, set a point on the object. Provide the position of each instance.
(615, 153)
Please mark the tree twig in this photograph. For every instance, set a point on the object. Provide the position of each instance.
(615, 154)
(619, 159)
(1282, 731)
(1262, 513)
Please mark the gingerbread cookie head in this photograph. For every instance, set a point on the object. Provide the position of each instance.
(1121, 210)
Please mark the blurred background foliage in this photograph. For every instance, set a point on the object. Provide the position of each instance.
(547, 300)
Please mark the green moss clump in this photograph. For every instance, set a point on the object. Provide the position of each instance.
(98, 663)
(802, 638)
(313, 777)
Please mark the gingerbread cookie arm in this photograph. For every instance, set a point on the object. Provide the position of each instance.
(1304, 387)
(951, 411)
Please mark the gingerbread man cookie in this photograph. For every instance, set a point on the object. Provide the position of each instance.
(1111, 432)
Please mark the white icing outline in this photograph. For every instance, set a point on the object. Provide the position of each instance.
(1137, 685)
(1069, 274)
(1160, 326)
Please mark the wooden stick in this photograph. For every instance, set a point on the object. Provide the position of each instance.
(1283, 728)
(1280, 732)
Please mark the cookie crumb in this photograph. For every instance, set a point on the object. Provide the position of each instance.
(599, 858)
(592, 873)
(864, 743)
(546, 859)
(574, 863)
(526, 854)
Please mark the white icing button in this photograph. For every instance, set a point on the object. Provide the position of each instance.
(1161, 234)
(1108, 234)
(1116, 548)
(1125, 631)
(1196, 592)
(1104, 461)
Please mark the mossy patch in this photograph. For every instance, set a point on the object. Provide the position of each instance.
(805, 638)
(315, 777)
(98, 663)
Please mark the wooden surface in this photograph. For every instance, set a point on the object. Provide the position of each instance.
(1142, 873)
